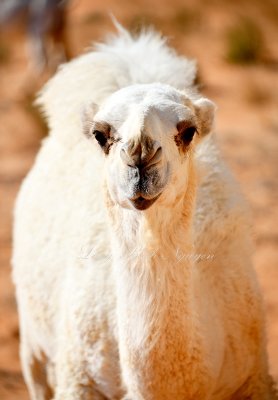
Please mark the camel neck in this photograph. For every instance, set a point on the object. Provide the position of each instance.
(154, 276)
(151, 262)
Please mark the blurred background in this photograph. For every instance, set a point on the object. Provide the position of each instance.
(236, 46)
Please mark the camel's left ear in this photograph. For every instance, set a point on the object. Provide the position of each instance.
(204, 110)
(87, 114)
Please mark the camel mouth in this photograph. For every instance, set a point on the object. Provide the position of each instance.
(142, 203)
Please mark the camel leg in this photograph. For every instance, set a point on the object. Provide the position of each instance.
(258, 387)
(34, 372)
(72, 380)
(75, 391)
(38, 53)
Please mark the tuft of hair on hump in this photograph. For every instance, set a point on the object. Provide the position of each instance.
(122, 60)
(149, 58)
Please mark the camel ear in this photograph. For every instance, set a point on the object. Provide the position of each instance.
(204, 110)
(87, 116)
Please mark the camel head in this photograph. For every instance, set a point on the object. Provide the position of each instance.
(147, 134)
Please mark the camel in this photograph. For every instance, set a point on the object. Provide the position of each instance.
(132, 244)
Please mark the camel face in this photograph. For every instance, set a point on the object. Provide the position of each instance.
(147, 133)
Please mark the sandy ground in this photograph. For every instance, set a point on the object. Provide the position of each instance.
(247, 128)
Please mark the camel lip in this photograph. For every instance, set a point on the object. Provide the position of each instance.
(141, 203)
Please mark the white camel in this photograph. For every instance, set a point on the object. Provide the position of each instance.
(132, 249)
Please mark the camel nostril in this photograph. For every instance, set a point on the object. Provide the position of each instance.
(141, 155)
(156, 157)
(126, 158)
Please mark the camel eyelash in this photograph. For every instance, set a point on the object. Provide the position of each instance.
(186, 132)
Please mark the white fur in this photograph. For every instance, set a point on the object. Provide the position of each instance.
(114, 304)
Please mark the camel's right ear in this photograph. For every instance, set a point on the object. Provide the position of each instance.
(88, 114)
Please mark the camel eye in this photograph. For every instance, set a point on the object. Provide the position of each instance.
(100, 137)
(187, 134)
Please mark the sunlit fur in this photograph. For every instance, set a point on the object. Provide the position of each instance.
(116, 303)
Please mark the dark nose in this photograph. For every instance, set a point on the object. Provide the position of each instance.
(141, 152)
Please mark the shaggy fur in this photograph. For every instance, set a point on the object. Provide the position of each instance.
(117, 303)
